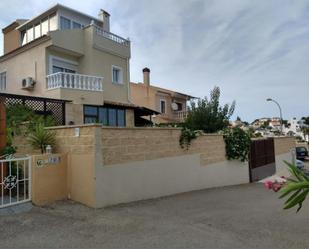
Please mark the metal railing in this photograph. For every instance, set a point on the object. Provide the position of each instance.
(74, 81)
(15, 181)
(111, 36)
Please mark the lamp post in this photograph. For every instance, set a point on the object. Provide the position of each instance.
(281, 120)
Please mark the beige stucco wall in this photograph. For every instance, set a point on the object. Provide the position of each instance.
(150, 97)
(134, 181)
(71, 40)
(284, 152)
(30, 63)
(11, 40)
(74, 113)
(77, 96)
(49, 182)
(284, 145)
(98, 61)
(81, 155)
(130, 121)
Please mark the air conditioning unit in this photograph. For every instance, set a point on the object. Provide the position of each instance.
(27, 83)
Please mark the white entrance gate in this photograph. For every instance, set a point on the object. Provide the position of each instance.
(15, 181)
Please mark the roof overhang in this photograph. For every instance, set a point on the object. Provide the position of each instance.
(52, 10)
(25, 47)
(139, 110)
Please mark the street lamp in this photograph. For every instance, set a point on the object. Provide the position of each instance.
(281, 120)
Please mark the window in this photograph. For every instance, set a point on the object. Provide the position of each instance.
(3, 81)
(108, 116)
(23, 37)
(65, 23)
(103, 116)
(179, 106)
(121, 117)
(77, 25)
(30, 34)
(58, 64)
(117, 75)
(61, 69)
(162, 106)
(37, 31)
(44, 26)
(53, 22)
(112, 117)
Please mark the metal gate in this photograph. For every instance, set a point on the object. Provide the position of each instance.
(262, 159)
(15, 181)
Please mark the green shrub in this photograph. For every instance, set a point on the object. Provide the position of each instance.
(208, 115)
(186, 137)
(237, 143)
(40, 137)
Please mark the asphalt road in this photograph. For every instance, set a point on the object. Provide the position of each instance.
(245, 216)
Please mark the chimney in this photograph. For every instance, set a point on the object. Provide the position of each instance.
(104, 16)
(146, 74)
(12, 36)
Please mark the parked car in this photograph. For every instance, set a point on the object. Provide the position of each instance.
(301, 153)
(300, 164)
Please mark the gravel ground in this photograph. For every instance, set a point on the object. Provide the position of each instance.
(245, 216)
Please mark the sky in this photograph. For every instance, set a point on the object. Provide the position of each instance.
(251, 49)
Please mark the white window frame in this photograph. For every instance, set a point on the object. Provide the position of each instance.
(163, 100)
(52, 57)
(3, 85)
(120, 82)
(33, 26)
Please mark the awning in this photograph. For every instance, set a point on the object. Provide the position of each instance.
(138, 110)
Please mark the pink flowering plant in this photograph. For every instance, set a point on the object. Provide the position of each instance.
(295, 188)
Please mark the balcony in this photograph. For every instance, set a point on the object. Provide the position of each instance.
(78, 88)
(99, 31)
(180, 116)
(74, 81)
(106, 41)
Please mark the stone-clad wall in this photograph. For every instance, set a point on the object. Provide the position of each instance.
(122, 145)
(284, 145)
(67, 141)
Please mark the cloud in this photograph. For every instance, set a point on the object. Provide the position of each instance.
(251, 49)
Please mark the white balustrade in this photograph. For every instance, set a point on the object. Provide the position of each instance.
(74, 81)
(180, 115)
(111, 36)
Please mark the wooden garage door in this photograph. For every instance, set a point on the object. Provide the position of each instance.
(262, 159)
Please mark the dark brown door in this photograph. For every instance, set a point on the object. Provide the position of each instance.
(262, 159)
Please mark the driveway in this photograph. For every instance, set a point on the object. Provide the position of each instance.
(245, 216)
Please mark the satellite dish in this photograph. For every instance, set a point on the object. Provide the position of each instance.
(174, 106)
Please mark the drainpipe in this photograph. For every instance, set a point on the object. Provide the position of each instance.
(128, 79)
